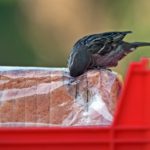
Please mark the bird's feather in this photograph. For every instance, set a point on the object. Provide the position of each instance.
(101, 43)
(100, 50)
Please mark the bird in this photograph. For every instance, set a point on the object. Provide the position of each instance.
(102, 50)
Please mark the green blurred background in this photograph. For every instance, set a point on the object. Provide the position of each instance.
(42, 32)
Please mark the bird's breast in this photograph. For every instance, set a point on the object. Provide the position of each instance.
(104, 60)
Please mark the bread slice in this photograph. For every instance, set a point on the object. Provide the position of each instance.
(50, 97)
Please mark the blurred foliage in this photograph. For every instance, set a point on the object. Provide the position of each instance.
(41, 33)
(8, 1)
(14, 49)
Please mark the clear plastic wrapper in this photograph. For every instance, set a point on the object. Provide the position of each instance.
(50, 97)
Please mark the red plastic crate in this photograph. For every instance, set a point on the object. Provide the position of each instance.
(130, 129)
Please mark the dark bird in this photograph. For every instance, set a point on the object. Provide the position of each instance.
(102, 50)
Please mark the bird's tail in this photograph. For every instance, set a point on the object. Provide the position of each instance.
(139, 44)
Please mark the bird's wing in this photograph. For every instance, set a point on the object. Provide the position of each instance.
(104, 42)
(115, 36)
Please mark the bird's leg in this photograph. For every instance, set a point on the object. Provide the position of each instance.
(108, 69)
(102, 68)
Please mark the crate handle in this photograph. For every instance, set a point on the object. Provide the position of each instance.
(134, 103)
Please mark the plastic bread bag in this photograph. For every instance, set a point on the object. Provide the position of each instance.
(32, 96)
